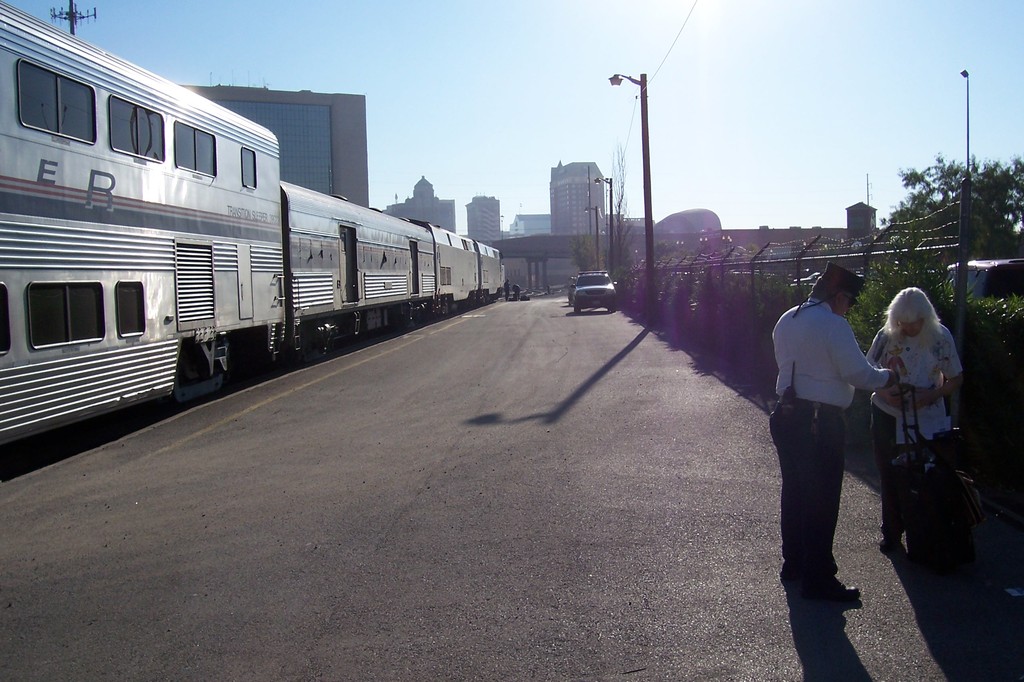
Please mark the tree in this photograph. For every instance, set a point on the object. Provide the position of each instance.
(620, 242)
(582, 249)
(997, 206)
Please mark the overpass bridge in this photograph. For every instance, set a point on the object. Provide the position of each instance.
(538, 261)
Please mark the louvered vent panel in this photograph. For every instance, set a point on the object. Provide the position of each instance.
(385, 286)
(193, 272)
(313, 289)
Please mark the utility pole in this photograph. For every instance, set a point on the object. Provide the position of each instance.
(963, 255)
(71, 15)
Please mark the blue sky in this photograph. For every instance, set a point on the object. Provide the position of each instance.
(768, 113)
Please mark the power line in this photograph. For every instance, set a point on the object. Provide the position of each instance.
(685, 21)
(651, 78)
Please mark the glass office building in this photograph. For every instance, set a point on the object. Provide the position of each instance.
(300, 129)
(322, 137)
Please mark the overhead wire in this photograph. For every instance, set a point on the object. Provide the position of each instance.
(672, 46)
(632, 119)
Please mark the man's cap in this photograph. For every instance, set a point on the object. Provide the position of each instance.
(836, 279)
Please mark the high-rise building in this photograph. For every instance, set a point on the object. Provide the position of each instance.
(483, 219)
(425, 206)
(575, 198)
(322, 136)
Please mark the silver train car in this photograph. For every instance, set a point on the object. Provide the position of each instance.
(148, 245)
(139, 226)
(467, 271)
(492, 273)
(352, 269)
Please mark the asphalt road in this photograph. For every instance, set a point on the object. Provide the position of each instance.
(517, 493)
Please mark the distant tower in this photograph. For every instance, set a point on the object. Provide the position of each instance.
(483, 219)
(860, 220)
(574, 197)
(71, 15)
(424, 205)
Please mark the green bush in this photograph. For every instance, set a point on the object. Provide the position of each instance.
(992, 398)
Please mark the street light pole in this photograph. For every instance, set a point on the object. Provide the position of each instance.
(963, 254)
(967, 77)
(648, 219)
(593, 209)
(611, 216)
(611, 229)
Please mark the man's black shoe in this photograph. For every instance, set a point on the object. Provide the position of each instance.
(887, 545)
(831, 591)
(789, 573)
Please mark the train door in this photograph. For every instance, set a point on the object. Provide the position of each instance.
(414, 252)
(350, 268)
(244, 282)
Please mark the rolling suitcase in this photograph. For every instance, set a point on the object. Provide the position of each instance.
(939, 504)
(938, 531)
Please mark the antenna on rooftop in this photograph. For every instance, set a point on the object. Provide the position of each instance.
(71, 15)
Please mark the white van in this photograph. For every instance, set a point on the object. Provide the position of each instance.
(999, 278)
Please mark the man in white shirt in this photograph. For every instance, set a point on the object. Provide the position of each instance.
(820, 365)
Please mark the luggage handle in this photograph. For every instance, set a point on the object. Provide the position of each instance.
(916, 446)
(913, 442)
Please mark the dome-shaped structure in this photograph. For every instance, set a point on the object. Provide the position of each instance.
(690, 221)
(423, 189)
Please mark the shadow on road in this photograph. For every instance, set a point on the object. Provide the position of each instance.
(554, 415)
(819, 635)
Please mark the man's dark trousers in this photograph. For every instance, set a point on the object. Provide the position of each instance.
(811, 457)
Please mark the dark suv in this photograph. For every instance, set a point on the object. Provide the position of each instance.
(594, 290)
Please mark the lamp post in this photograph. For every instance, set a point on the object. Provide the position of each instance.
(648, 220)
(967, 77)
(611, 213)
(963, 253)
(592, 208)
(597, 239)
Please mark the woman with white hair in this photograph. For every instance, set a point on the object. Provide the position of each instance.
(913, 343)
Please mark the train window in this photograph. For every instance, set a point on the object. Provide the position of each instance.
(55, 103)
(5, 321)
(64, 313)
(248, 168)
(131, 308)
(136, 130)
(206, 153)
(194, 149)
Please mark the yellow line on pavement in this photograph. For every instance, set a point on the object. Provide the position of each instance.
(458, 320)
(284, 394)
